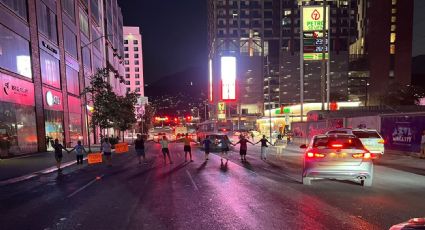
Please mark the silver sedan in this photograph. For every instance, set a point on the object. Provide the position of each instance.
(337, 156)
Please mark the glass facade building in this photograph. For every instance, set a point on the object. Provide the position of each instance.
(48, 49)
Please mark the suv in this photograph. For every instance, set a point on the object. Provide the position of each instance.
(369, 137)
(337, 156)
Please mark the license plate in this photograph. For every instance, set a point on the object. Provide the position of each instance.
(337, 155)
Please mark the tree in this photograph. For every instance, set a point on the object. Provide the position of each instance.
(147, 118)
(124, 116)
(101, 95)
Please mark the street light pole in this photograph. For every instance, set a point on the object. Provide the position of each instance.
(270, 104)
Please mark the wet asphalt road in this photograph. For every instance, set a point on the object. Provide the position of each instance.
(206, 195)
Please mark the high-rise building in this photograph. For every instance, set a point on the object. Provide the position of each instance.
(246, 30)
(48, 51)
(380, 53)
(133, 60)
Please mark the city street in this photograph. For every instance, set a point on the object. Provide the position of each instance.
(206, 195)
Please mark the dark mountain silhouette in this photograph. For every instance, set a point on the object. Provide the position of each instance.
(191, 82)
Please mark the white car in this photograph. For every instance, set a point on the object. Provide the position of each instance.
(370, 138)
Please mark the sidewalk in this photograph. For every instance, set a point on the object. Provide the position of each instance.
(29, 164)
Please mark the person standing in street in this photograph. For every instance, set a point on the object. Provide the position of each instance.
(79, 152)
(207, 144)
(243, 147)
(225, 142)
(423, 145)
(165, 150)
(186, 148)
(139, 145)
(58, 154)
(264, 147)
(106, 148)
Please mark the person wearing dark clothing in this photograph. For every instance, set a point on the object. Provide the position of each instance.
(264, 147)
(243, 147)
(139, 145)
(207, 143)
(58, 153)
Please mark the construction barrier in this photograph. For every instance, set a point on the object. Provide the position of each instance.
(121, 147)
(94, 158)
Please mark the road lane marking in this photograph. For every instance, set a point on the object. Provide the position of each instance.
(85, 186)
(191, 179)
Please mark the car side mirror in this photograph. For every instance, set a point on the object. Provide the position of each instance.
(303, 146)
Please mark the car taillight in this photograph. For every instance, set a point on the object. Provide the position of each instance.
(314, 155)
(364, 155)
(336, 145)
(382, 141)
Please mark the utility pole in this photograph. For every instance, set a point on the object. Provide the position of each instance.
(323, 68)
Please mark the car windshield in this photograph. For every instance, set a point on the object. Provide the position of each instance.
(347, 142)
(366, 134)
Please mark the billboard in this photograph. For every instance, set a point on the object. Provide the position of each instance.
(403, 133)
(315, 42)
(228, 78)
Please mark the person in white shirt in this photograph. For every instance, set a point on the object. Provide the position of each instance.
(423, 145)
(165, 150)
(106, 148)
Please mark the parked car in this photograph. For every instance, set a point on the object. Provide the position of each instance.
(370, 138)
(337, 156)
(412, 224)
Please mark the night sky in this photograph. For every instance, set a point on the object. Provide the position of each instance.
(174, 34)
(175, 31)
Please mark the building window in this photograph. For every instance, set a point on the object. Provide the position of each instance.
(136, 69)
(136, 48)
(17, 6)
(127, 82)
(47, 22)
(135, 42)
(136, 55)
(84, 24)
(137, 75)
(392, 37)
(137, 82)
(127, 75)
(70, 41)
(128, 89)
(49, 69)
(127, 69)
(72, 81)
(86, 57)
(392, 49)
(126, 42)
(68, 8)
(137, 90)
(94, 6)
(126, 62)
(136, 62)
(14, 53)
(126, 55)
(126, 48)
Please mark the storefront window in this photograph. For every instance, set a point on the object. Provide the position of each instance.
(54, 127)
(75, 131)
(18, 6)
(14, 53)
(49, 69)
(18, 133)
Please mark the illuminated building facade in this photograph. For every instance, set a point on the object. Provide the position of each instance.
(48, 50)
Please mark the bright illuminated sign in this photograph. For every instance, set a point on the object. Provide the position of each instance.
(221, 107)
(24, 65)
(314, 56)
(313, 18)
(210, 89)
(228, 78)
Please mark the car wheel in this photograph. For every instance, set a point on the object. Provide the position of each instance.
(366, 182)
(306, 181)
